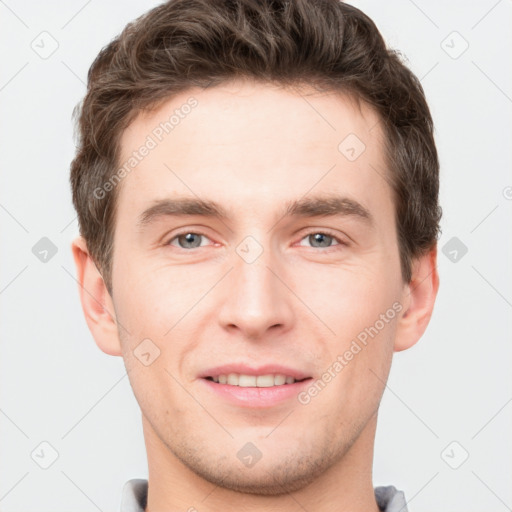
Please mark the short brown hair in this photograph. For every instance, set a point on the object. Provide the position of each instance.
(199, 43)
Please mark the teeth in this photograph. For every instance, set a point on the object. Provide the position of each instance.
(260, 381)
(246, 381)
(279, 380)
(265, 381)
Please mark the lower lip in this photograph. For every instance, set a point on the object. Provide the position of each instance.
(257, 397)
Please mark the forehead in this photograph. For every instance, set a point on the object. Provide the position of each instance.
(254, 145)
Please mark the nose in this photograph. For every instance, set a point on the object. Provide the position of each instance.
(257, 297)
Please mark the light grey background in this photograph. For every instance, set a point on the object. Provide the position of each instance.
(448, 395)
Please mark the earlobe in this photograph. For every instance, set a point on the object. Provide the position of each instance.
(96, 302)
(419, 295)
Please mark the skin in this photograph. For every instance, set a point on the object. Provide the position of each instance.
(252, 147)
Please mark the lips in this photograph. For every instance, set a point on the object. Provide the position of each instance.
(255, 387)
(248, 387)
(249, 376)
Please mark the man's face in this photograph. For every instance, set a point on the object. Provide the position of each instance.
(260, 291)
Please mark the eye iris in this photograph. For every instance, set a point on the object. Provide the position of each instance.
(322, 238)
(189, 240)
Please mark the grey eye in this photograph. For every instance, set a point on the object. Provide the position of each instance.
(188, 240)
(322, 239)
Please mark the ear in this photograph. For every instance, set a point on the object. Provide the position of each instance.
(418, 298)
(96, 302)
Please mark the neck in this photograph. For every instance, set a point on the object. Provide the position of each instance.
(345, 487)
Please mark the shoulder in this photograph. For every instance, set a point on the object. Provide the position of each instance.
(390, 499)
(134, 495)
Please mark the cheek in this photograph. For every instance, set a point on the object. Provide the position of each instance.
(159, 310)
(150, 300)
(156, 390)
(347, 297)
(354, 377)
(359, 306)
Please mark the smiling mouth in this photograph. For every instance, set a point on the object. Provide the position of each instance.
(254, 381)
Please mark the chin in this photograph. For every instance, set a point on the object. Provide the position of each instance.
(267, 477)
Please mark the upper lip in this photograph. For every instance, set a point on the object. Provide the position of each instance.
(245, 369)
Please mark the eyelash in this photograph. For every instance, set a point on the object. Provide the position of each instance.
(340, 242)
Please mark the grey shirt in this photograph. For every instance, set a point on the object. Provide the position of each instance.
(135, 493)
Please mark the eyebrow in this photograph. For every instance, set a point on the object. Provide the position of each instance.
(318, 206)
